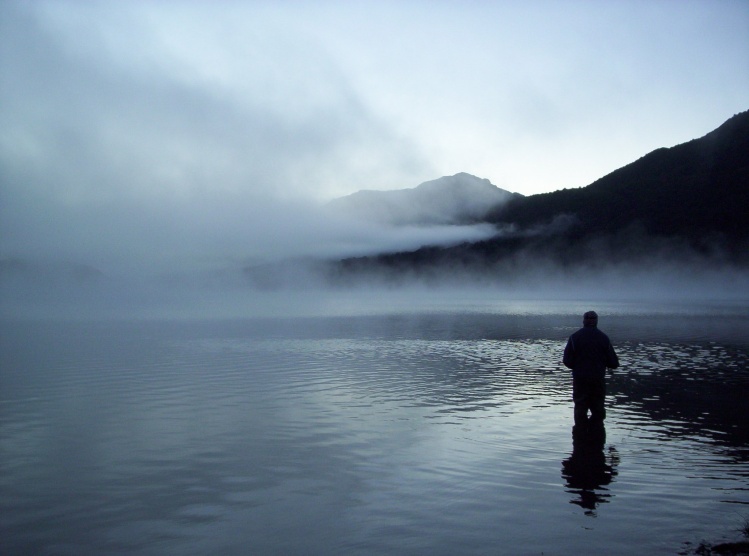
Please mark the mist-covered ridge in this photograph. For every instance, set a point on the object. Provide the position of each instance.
(461, 199)
(686, 205)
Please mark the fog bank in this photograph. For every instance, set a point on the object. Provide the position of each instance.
(313, 288)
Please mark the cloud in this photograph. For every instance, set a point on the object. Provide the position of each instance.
(148, 134)
(101, 114)
(114, 155)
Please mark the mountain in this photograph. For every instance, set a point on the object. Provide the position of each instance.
(450, 200)
(684, 202)
(691, 190)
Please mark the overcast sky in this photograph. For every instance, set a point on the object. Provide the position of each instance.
(136, 133)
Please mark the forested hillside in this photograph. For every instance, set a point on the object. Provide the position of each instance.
(686, 202)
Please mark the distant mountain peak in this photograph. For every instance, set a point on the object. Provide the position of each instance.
(450, 200)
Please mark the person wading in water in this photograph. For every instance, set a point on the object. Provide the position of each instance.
(589, 353)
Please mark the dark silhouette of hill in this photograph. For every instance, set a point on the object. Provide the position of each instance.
(680, 203)
(691, 190)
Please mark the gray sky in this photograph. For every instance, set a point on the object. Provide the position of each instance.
(165, 132)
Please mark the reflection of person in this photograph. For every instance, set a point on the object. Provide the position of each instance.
(589, 353)
(589, 469)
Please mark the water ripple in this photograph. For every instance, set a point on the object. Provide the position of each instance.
(437, 435)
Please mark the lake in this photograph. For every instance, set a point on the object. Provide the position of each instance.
(401, 431)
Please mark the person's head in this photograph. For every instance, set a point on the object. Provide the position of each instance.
(590, 319)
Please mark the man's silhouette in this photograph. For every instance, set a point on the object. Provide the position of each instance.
(589, 353)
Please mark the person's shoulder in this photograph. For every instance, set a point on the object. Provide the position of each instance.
(591, 331)
(577, 333)
(602, 334)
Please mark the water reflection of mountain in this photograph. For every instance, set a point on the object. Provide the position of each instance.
(697, 390)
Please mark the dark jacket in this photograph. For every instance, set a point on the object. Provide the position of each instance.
(589, 352)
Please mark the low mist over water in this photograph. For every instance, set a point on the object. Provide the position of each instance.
(304, 288)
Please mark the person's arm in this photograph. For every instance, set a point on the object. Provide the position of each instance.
(612, 361)
(569, 354)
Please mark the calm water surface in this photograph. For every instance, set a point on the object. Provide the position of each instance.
(433, 433)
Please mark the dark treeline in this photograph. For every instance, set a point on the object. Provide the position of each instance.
(695, 189)
(682, 203)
